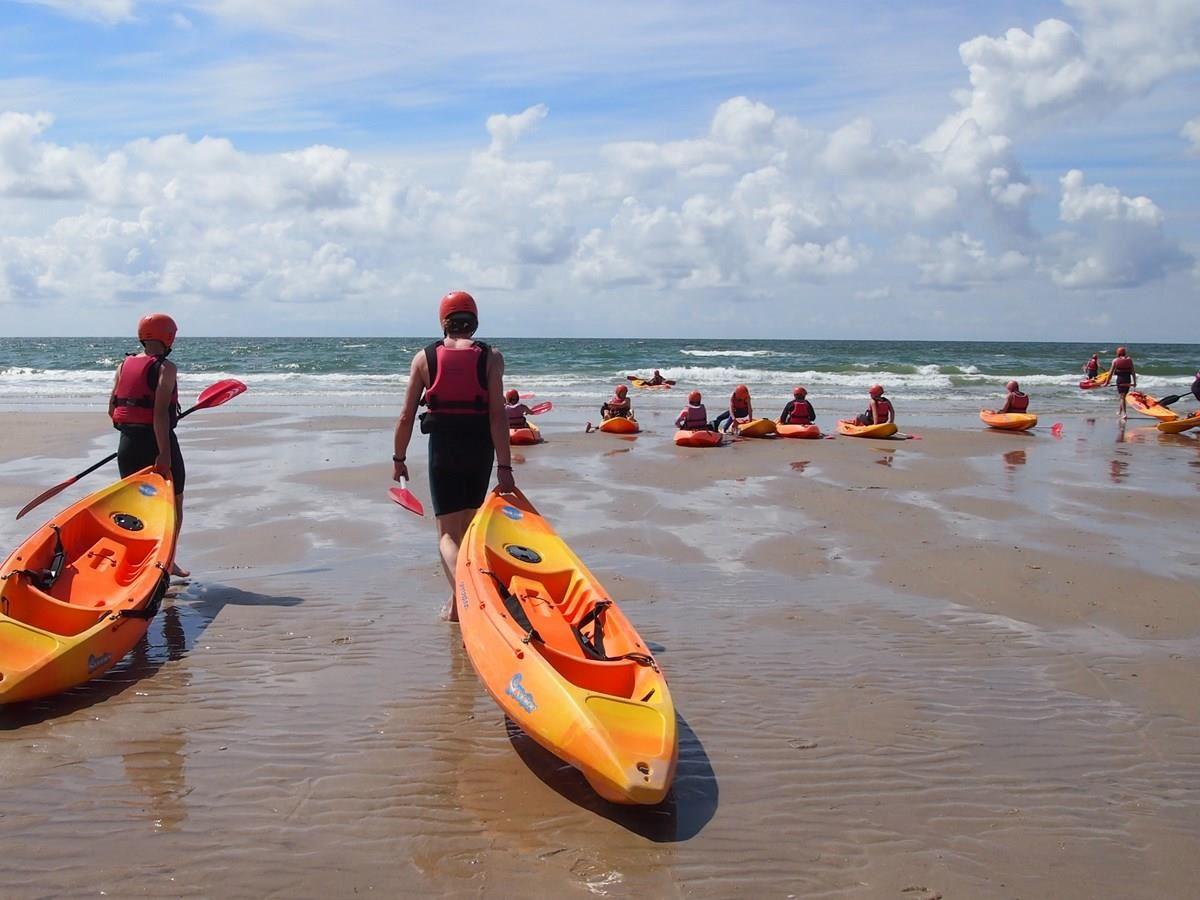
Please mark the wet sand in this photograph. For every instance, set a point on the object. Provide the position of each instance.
(961, 666)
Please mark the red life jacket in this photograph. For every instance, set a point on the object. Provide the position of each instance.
(801, 414)
(1123, 365)
(1017, 402)
(884, 405)
(695, 418)
(133, 396)
(457, 393)
(516, 418)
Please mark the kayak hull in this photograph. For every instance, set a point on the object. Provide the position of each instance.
(756, 428)
(117, 547)
(523, 437)
(1180, 425)
(1090, 384)
(527, 608)
(1008, 421)
(798, 431)
(1148, 406)
(619, 425)
(697, 439)
(847, 428)
(638, 383)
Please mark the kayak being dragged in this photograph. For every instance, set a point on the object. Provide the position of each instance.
(80, 592)
(1148, 406)
(559, 657)
(619, 425)
(523, 437)
(697, 438)
(850, 429)
(798, 431)
(1178, 426)
(756, 428)
(1007, 421)
(1099, 381)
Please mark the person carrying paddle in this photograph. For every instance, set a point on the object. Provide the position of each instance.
(144, 407)
(694, 416)
(798, 411)
(740, 409)
(515, 410)
(1014, 400)
(460, 381)
(879, 409)
(618, 406)
(1122, 368)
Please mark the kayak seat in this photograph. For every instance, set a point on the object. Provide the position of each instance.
(544, 615)
(608, 676)
(36, 608)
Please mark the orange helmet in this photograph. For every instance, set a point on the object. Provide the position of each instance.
(1012, 386)
(800, 391)
(511, 395)
(457, 302)
(1121, 351)
(741, 391)
(875, 390)
(157, 327)
(694, 397)
(621, 390)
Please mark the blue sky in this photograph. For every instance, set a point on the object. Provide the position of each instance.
(641, 168)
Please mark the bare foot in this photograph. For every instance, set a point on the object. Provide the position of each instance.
(450, 611)
(178, 572)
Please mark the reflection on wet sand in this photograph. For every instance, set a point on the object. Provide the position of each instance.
(1014, 458)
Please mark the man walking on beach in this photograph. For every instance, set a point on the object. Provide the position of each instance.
(460, 381)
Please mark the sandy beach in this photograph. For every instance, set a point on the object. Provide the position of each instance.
(959, 666)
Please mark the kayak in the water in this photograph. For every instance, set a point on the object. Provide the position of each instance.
(1012, 421)
(850, 428)
(1099, 381)
(558, 656)
(1148, 406)
(80, 592)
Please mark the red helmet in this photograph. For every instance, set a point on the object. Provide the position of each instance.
(1012, 386)
(875, 390)
(741, 391)
(1120, 351)
(694, 397)
(621, 390)
(511, 395)
(457, 302)
(157, 327)
(800, 391)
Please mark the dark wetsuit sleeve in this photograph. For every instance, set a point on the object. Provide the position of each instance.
(787, 411)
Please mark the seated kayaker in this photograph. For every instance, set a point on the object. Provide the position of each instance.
(879, 410)
(1015, 402)
(1092, 367)
(694, 417)
(515, 410)
(740, 411)
(618, 405)
(656, 378)
(798, 410)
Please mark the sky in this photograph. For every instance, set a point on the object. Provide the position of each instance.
(749, 169)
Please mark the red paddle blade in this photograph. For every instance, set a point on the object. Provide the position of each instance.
(541, 408)
(527, 396)
(221, 392)
(405, 498)
(1056, 429)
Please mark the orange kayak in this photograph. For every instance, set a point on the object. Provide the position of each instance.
(522, 437)
(1148, 406)
(1099, 381)
(882, 430)
(79, 593)
(559, 657)
(1180, 425)
(1007, 421)
(798, 431)
(697, 439)
(619, 425)
(756, 428)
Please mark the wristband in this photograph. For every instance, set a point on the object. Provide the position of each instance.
(397, 458)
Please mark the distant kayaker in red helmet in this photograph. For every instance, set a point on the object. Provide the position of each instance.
(740, 410)
(460, 381)
(1122, 369)
(879, 409)
(144, 407)
(618, 405)
(515, 410)
(656, 378)
(798, 411)
(1091, 368)
(1014, 401)
(694, 416)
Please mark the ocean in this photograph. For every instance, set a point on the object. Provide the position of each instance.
(369, 374)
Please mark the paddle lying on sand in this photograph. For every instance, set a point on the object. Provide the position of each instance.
(213, 395)
(406, 498)
(543, 407)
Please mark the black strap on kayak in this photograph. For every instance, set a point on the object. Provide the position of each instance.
(43, 579)
(515, 609)
(593, 646)
(150, 609)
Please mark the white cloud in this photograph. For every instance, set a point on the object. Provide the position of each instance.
(959, 261)
(110, 12)
(1191, 133)
(507, 130)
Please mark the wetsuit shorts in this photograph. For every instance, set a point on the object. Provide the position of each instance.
(460, 471)
(1123, 383)
(138, 449)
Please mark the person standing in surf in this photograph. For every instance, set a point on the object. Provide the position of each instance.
(460, 381)
(1122, 368)
(1091, 368)
(144, 407)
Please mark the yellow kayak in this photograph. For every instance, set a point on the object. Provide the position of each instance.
(1011, 421)
(755, 428)
(848, 428)
(1180, 425)
(1148, 406)
(558, 656)
(620, 425)
(79, 593)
